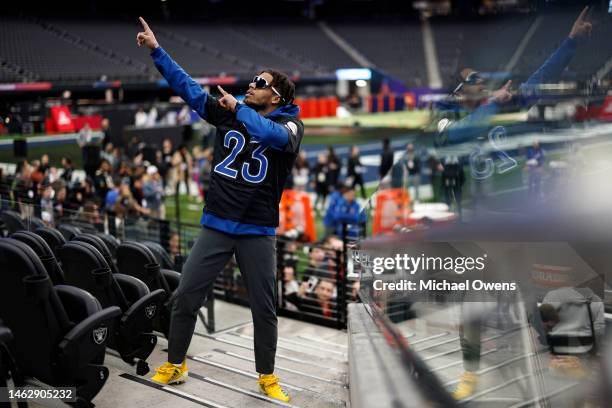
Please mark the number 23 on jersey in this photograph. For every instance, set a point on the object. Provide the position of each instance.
(235, 141)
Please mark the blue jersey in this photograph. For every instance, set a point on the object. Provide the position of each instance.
(252, 156)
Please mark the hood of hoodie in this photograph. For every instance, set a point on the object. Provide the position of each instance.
(285, 110)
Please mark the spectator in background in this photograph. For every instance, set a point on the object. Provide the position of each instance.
(535, 168)
(137, 186)
(355, 171)
(386, 159)
(44, 164)
(126, 205)
(154, 193)
(321, 183)
(184, 115)
(453, 177)
(165, 164)
(183, 163)
(347, 212)
(412, 164)
(290, 285)
(46, 204)
(140, 118)
(334, 166)
(108, 155)
(105, 128)
(89, 150)
(68, 169)
(317, 297)
(103, 181)
(329, 222)
(301, 172)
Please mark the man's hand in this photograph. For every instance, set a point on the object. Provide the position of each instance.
(146, 37)
(227, 101)
(502, 95)
(581, 27)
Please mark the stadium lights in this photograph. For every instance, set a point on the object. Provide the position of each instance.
(353, 74)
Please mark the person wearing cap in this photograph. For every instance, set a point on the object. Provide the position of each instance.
(154, 192)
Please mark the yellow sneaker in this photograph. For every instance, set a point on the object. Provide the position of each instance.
(467, 385)
(269, 385)
(168, 373)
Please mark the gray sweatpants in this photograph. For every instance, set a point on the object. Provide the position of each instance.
(256, 257)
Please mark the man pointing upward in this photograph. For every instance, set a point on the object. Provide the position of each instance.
(255, 146)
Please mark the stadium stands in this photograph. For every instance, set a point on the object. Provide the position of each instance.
(395, 47)
(73, 50)
(55, 55)
(485, 45)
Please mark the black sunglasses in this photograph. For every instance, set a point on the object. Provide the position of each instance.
(261, 83)
(472, 79)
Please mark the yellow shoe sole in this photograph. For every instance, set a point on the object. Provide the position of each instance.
(176, 381)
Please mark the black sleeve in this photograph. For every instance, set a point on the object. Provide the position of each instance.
(295, 133)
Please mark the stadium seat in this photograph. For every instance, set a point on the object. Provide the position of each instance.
(162, 256)
(34, 223)
(7, 365)
(100, 245)
(69, 231)
(45, 254)
(60, 332)
(87, 269)
(135, 259)
(112, 243)
(52, 237)
(13, 221)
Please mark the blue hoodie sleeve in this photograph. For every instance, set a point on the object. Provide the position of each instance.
(473, 124)
(553, 67)
(262, 130)
(180, 81)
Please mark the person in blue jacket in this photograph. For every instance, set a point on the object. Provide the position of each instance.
(466, 113)
(255, 147)
(347, 211)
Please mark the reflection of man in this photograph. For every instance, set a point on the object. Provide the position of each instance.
(466, 113)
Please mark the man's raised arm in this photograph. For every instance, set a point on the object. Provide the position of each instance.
(177, 78)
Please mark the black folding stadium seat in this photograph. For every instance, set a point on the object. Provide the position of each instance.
(53, 238)
(100, 245)
(112, 243)
(45, 254)
(87, 269)
(34, 223)
(7, 366)
(69, 231)
(60, 332)
(135, 259)
(13, 221)
(162, 256)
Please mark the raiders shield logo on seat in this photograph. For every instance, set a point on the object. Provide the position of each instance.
(99, 334)
(150, 311)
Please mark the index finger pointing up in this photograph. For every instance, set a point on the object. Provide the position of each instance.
(583, 14)
(221, 90)
(144, 24)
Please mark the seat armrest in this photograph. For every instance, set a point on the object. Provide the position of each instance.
(87, 340)
(133, 288)
(172, 277)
